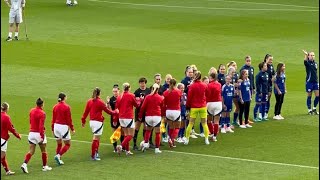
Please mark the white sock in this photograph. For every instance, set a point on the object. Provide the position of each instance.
(16, 34)
(10, 34)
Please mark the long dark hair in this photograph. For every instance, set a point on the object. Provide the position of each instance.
(279, 66)
(220, 65)
(96, 93)
(61, 97)
(39, 102)
(266, 57)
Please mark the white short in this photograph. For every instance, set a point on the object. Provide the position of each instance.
(173, 115)
(34, 138)
(214, 108)
(4, 145)
(96, 127)
(153, 121)
(127, 123)
(15, 16)
(61, 131)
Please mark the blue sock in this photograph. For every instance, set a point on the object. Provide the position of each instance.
(263, 109)
(255, 110)
(182, 131)
(227, 121)
(309, 102)
(201, 128)
(220, 121)
(235, 117)
(316, 101)
(267, 107)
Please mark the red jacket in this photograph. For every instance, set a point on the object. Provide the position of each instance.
(95, 108)
(213, 92)
(152, 105)
(37, 119)
(7, 126)
(172, 99)
(125, 104)
(61, 114)
(197, 95)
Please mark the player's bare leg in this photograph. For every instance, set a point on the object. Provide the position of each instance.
(16, 32)
(11, 28)
(45, 166)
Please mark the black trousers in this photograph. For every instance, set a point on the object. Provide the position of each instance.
(278, 106)
(244, 109)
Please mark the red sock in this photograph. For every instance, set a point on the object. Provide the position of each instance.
(128, 146)
(44, 159)
(5, 164)
(126, 141)
(64, 149)
(157, 140)
(98, 145)
(27, 158)
(94, 148)
(210, 126)
(176, 132)
(59, 146)
(215, 129)
(147, 136)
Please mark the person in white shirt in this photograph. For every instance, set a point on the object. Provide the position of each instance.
(15, 16)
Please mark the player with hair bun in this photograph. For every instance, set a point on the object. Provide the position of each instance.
(37, 136)
(94, 107)
(60, 125)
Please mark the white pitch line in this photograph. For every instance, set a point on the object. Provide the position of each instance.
(200, 7)
(210, 156)
(271, 4)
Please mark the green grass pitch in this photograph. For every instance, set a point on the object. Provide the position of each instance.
(100, 43)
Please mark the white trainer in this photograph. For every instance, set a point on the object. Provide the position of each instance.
(276, 117)
(206, 141)
(8, 173)
(75, 2)
(223, 130)
(260, 116)
(230, 130)
(266, 116)
(129, 153)
(201, 134)
(119, 149)
(165, 139)
(24, 168)
(214, 139)
(248, 126)
(46, 168)
(193, 136)
(186, 141)
(157, 151)
(242, 126)
(281, 116)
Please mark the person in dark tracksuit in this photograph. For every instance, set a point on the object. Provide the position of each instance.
(262, 88)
